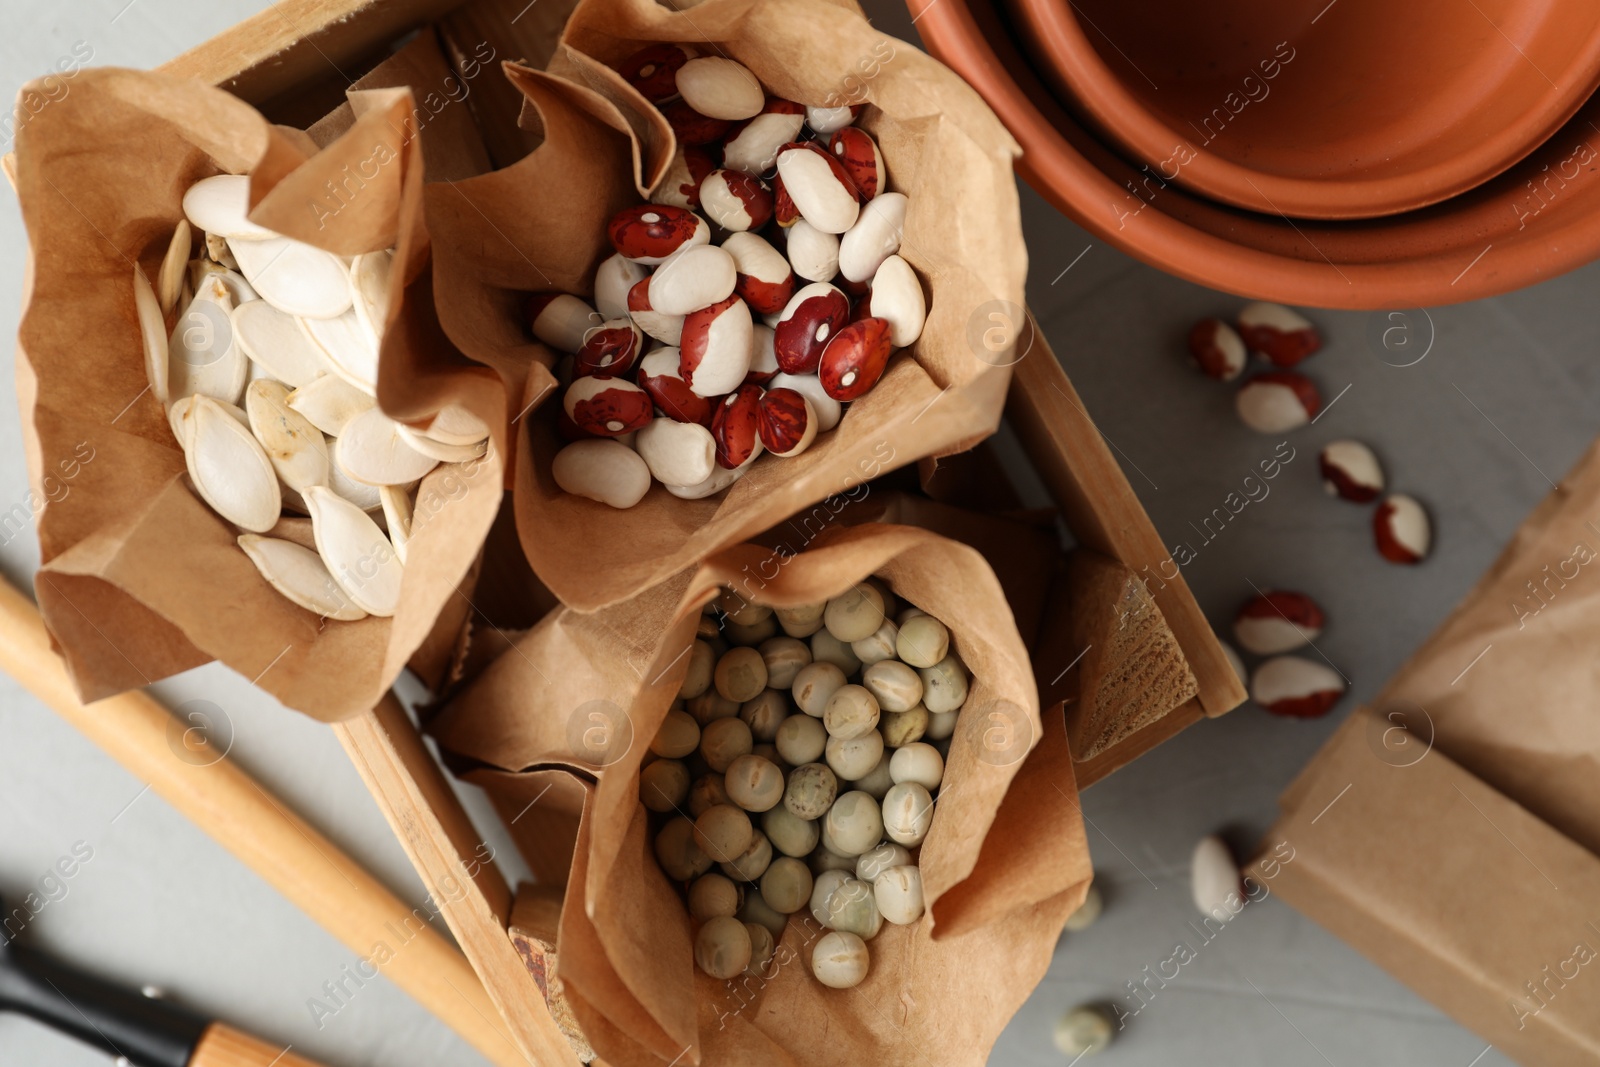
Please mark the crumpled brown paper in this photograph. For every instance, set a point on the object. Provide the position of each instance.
(139, 579)
(1452, 831)
(1005, 863)
(942, 146)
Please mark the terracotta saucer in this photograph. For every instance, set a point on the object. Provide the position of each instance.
(1350, 109)
(1537, 220)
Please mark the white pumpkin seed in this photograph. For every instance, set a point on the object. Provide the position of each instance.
(201, 269)
(300, 575)
(277, 342)
(296, 449)
(349, 348)
(169, 283)
(295, 277)
(220, 205)
(217, 251)
(330, 402)
(455, 425)
(397, 516)
(202, 356)
(369, 289)
(440, 451)
(229, 469)
(153, 334)
(181, 416)
(360, 494)
(358, 555)
(371, 449)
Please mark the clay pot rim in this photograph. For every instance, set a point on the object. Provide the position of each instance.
(1553, 244)
(1067, 60)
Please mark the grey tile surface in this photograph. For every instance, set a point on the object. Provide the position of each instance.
(1505, 400)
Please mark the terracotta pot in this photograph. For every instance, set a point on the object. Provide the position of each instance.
(1539, 219)
(1311, 109)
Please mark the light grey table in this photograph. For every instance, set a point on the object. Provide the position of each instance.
(1506, 399)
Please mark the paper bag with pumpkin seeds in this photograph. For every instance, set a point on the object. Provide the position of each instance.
(142, 576)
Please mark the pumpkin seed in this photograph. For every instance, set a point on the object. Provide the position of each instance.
(202, 268)
(329, 403)
(369, 289)
(295, 448)
(350, 349)
(230, 470)
(153, 334)
(371, 449)
(277, 342)
(294, 277)
(181, 417)
(360, 494)
(169, 283)
(455, 425)
(357, 554)
(202, 356)
(300, 575)
(444, 453)
(220, 205)
(397, 516)
(217, 251)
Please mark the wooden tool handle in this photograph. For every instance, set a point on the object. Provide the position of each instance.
(223, 1046)
(248, 821)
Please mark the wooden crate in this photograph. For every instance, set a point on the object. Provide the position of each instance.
(293, 61)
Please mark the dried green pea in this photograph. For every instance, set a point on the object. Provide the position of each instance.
(722, 947)
(710, 706)
(902, 728)
(854, 614)
(944, 685)
(698, 677)
(907, 613)
(1083, 1031)
(896, 686)
(821, 860)
(1088, 911)
(839, 960)
(854, 758)
(923, 641)
(811, 791)
(753, 783)
(663, 785)
(757, 911)
(822, 888)
(801, 621)
(748, 636)
(789, 834)
(876, 782)
(854, 824)
(680, 856)
(898, 892)
(784, 656)
(741, 675)
(678, 736)
(814, 684)
(707, 792)
(878, 645)
(725, 740)
(750, 864)
(826, 648)
(874, 862)
(851, 711)
(723, 832)
(853, 908)
(907, 814)
(786, 885)
(712, 895)
(706, 627)
(762, 947)
(919, 762)
(765, 712)
(801, 739)
(769, 752)
(941, 727)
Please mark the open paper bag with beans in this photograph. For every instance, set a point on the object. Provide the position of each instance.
(979, 894)
(689, 417)
(247, 436)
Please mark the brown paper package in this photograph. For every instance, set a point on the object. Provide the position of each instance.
(1004, 865)
(1452, 831)
(139, 579)
(539, 225)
